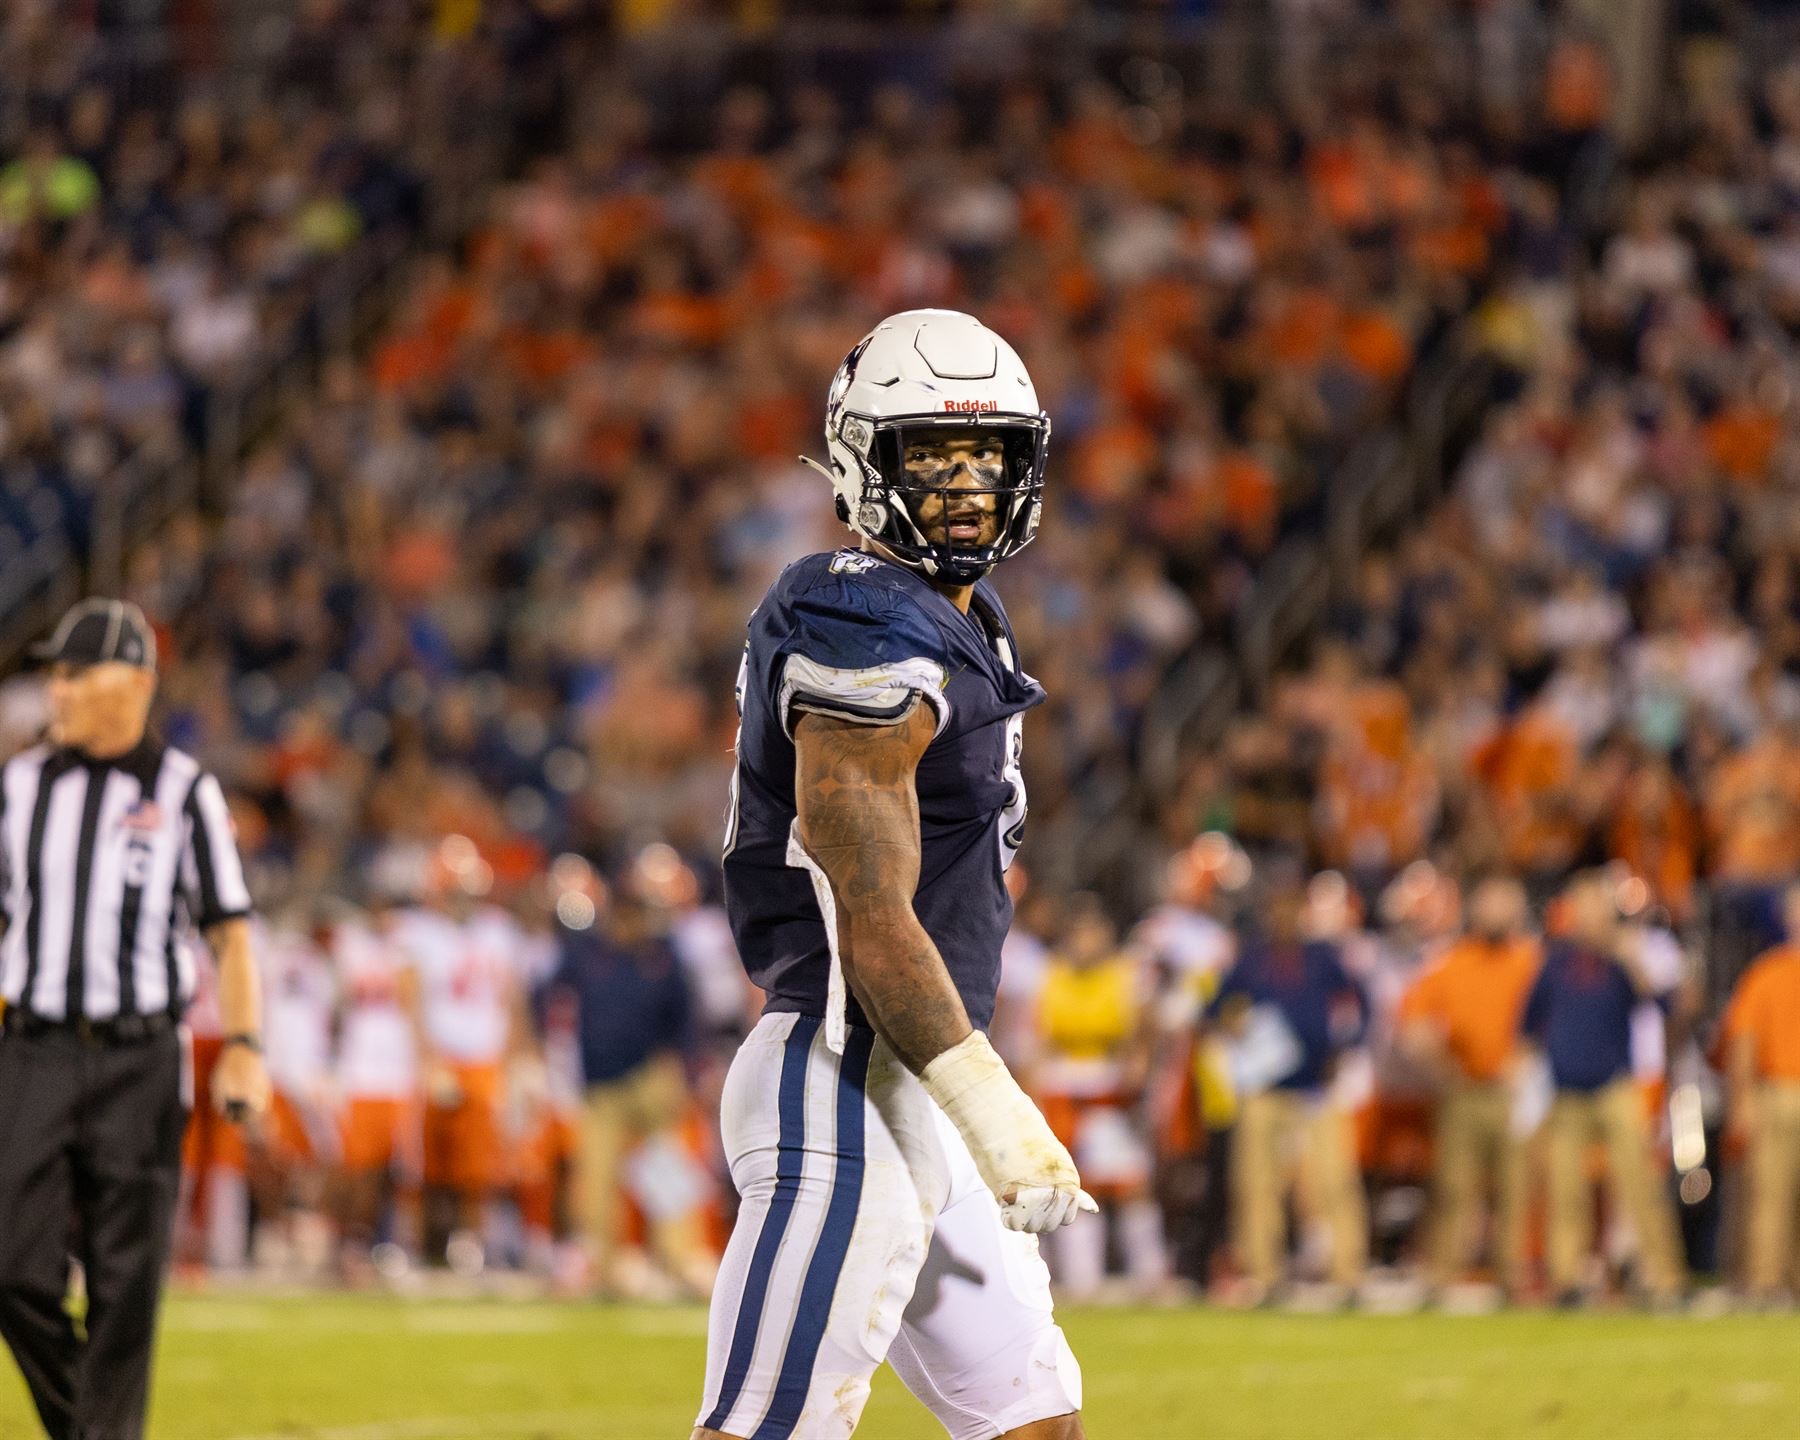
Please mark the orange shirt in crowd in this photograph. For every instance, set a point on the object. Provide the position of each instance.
(1527, 769)
(1475, 994)
(1113, 459)
(1753, 813)
(1741, 439)
(1375, 811)
(1344, 186)
(1451, 247)
(1765, 1007)
(1375, 345)
(1249, 492)
(543, 357)
(1578, 87)
(1301, 330)
(404, 359)
(617, 226)
(1656, 832)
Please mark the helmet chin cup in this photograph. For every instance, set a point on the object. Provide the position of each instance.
(962, 571)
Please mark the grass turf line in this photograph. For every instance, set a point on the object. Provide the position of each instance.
(336, 1368)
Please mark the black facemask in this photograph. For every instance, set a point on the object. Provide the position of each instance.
(892, 497)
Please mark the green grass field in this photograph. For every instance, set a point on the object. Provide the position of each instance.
(374, 1369)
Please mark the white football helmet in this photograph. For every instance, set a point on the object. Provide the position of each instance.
(931, 369)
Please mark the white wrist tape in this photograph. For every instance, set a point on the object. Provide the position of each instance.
(1019, 1157)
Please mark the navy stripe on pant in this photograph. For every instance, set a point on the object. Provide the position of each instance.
(791, 1150)
(814, 1307)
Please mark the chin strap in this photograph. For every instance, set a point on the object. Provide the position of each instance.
(843, 510)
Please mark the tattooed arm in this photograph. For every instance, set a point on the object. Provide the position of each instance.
(858, 808)
(859, 820)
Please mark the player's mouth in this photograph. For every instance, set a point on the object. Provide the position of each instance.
(965, 529)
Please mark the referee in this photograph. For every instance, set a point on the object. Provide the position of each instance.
(113, 847)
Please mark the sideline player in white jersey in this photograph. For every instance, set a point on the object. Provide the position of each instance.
(894, 1175)
(1187, 945)
(1024, 961)
(469, 1018)
(377, 1077)
(295, 1146)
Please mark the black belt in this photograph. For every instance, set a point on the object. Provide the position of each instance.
(118, 1030)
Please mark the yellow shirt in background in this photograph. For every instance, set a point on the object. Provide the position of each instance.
(1088, 1013)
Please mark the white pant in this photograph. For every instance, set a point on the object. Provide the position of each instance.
(865, 1234)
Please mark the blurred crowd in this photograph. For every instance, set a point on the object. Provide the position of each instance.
(1588, 652)
(175, 203)
(494, 578)
(460, 639)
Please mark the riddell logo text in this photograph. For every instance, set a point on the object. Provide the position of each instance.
(972, 407)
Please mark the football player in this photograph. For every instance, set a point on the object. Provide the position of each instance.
(894, 1175)
(469, 1021)
(378, 1081)
(290, 1150)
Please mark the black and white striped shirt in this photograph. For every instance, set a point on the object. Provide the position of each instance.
(106, 867)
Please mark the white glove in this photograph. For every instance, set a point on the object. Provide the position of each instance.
(1020, 1159)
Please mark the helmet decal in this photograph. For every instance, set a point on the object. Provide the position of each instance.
(856, 435)
(847, 371)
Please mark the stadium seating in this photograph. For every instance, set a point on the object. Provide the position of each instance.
(482, 568)
(192, 211)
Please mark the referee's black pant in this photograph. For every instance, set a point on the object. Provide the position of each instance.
(90, 1161)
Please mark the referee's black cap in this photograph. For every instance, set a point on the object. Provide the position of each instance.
(95, 632)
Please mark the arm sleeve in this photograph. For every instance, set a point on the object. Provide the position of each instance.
(212, 871)
(859, 653)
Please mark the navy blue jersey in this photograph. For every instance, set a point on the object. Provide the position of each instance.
(850, 635)
(1580, 1011)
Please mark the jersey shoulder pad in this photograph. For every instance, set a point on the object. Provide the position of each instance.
(857, 645)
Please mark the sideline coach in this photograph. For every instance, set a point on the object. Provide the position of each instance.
(113, 847)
